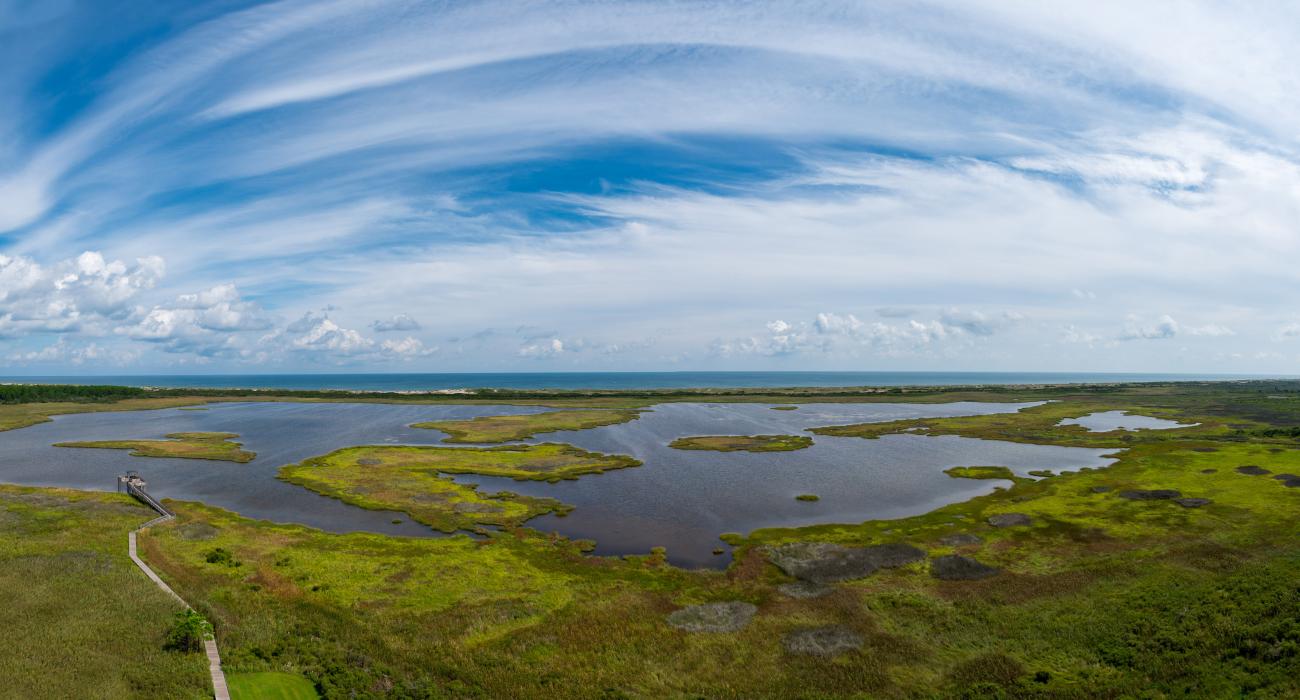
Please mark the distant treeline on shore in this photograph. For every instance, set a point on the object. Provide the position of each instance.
(36, 393)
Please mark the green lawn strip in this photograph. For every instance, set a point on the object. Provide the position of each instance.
(413, 479)
(488, 429)
(213, 446)
(745, 443)
(78, 618)
(270, 685)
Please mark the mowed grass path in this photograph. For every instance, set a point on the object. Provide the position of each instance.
(270, 685)
(77, 618)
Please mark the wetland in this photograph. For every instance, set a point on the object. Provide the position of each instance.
(681, 500)
(964, 544)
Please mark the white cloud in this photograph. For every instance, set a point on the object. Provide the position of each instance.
(1162, 328)
(1211, 330)
(1166, 327)
(1287, 330)
(542, 348)
(400, 322)
(830, 333)
(977, 323)
(62, 351)
(1073, 334)
(206, 323)
(406, 348)
(79, 294)
(321, 335)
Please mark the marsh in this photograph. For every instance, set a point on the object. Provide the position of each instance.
(681, 500)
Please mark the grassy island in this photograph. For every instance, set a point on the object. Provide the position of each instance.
(745, 443)
(1035, 424)
(215, 446)
(981, 473)
(412, 479)
(488, 429)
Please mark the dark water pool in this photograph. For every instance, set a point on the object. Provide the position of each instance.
(681, 500)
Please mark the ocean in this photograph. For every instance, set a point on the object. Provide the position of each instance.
(616, 380)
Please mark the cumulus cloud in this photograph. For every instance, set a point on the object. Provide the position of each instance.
(79, 294)
(831, 332)
(407, 348)
(322, 335)
(316, 337)
(977, 323)
(206, 323)
(62, 351)
(400, 322)
(1166, 327)
(542, 348)
(1074, 334)
(1162, 328)
(1287, 330)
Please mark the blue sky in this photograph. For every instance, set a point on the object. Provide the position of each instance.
(438, 186)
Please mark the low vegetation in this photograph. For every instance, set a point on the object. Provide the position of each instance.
(78, 619)
(981, 473)
(214, 446)
(38, 393)
(413, 480)
(21, 415)
(1039, 424)
(489, 429)
(745, 443)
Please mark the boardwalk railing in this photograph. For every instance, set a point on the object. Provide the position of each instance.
(134, 486)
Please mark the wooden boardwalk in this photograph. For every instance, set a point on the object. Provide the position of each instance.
(219, 689)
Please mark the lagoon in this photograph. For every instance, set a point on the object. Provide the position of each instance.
(681, 500)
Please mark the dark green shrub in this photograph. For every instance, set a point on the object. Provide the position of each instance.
(188, 632)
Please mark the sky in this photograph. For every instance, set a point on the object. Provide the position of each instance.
(393, 185)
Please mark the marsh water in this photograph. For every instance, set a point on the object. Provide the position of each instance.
(1106, 421)
(678, 499)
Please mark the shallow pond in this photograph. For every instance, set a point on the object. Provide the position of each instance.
(679, 499)
(1106, 421)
